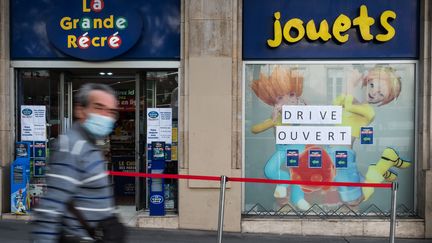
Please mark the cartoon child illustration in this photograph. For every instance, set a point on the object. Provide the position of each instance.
(283, 87)
(380, 86)
(20, 206)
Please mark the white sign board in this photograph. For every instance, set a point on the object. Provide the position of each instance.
(33, 123)
(319, 135)
(311, 114)
(159, 125)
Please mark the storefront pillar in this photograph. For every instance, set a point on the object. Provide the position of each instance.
(5, 110)
(424, 166)
(210, 29)
(428, 205)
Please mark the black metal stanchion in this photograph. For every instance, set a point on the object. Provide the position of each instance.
(221, 207)
(393, 212)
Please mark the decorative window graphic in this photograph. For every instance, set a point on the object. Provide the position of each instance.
(293, 113)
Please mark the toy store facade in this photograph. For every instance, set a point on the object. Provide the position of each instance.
(331, 94)
(57, 47)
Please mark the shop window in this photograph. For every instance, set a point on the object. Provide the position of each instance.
(377, 104)
(40, 88)
(161, 89)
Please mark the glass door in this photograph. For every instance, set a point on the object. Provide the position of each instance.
(159, 89)
(125, 148)
(66, 99)
(119, 147)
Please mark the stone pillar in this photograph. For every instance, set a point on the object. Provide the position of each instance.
(6, 118)
(209, 95)
(424, 162)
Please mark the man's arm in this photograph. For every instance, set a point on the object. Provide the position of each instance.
(62, 181)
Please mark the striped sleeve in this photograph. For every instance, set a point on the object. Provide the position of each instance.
(63, 179)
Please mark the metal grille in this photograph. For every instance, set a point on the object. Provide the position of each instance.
(343, 211)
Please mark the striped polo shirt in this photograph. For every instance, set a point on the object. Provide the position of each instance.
(77, 172)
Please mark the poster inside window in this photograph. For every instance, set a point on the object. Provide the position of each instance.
(329, 122)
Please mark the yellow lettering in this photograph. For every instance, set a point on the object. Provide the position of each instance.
(109, 22)
(363, 21)
(277, 28)
(97, 24)
(298, 25)
(385, 16)
(294, 29)
(65, 23)
(75, 23)
(103, 40)
(313, 34)
(341, 24)
(95, 42)
(85, 9)
(71, 41)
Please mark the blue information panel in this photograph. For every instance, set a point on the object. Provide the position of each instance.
(293, 29)
(157, 190)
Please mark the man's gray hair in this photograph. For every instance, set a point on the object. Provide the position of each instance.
(82, 96)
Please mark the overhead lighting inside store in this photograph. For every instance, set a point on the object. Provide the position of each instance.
(105, 73)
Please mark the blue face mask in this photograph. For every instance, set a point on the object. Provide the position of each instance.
(98, 125)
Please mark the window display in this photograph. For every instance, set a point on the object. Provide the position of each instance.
(357, 126)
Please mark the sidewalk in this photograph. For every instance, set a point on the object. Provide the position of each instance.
(14, 231)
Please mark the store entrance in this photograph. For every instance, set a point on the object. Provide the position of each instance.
(120, 147)
(125, 148)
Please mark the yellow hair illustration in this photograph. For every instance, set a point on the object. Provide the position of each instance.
(389, 75)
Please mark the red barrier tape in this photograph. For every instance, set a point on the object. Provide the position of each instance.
(165, 176)
(249, 180)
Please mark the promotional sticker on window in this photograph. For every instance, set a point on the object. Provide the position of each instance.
(39, 149)
(292, 158)
(341, 159)
(39, 167)
(315, 158)
(158, 151)
(366, 135)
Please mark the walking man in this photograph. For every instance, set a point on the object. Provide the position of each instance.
(80, 197)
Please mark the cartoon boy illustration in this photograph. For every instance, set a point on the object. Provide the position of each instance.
(379, 86)
(20, 206)
(283, 87)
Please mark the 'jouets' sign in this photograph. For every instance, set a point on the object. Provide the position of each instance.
(95, 30)
(327, 29)
(337, 31)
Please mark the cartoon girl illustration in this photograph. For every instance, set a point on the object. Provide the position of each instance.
(379, 86)
(283, 87)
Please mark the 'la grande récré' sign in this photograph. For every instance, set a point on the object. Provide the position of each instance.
(95, 29)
